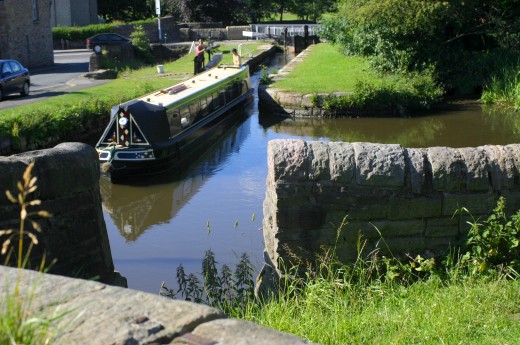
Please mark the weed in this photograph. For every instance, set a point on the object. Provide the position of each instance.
(493, 245)
(265, 78)
(18, 324)
(226, 290)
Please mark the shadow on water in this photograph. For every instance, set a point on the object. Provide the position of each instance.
(136, 207)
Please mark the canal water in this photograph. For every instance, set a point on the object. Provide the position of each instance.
(215, 203)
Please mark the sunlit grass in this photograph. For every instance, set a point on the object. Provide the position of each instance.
(328, 70)
(477, 312)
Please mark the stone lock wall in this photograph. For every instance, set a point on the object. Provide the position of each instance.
(68, 186)
(407, 196)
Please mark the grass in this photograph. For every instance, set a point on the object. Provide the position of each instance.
(476, 312)
(503, 88)
(327, 70)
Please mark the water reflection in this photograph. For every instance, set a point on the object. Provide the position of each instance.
(135, 208)
(459, 126)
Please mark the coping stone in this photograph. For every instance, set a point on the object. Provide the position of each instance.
(98, 314)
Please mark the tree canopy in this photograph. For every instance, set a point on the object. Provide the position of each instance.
(454, 38)
(126, 10)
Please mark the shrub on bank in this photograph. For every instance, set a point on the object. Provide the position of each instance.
(80, 32)
(420, 95)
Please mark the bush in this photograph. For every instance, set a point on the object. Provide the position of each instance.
(420, 95)
(494, 244)
(141, 44)
(82, 32)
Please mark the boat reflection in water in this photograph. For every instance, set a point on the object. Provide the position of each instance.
(135, 208)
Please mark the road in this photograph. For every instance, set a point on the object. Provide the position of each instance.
(62, 77)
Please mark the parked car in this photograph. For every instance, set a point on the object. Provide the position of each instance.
(96, 42)
(13, 78)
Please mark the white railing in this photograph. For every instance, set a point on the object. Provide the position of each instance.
(278, 30)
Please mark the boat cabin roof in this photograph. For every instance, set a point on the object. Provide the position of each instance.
(197, 83)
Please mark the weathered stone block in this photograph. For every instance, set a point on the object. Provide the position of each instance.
(513, 151)
(448, 169)
(415, 169)
(385, 229)
(442, 227)
(342, 162)
(308, 101)
(318, 158)
(477, 204)
(501, 166)
(414, 207)
(400, 246)
(289, 99)
(233, 331)
(440, 245)
(286, 160)
(477, 168)
(379, 165)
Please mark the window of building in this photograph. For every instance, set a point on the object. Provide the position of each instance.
(35, 10)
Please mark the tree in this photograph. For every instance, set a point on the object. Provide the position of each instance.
(311, 9)
(126, 10)
(457, 38)
(229, 12)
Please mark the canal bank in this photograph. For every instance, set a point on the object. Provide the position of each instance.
(323, 82)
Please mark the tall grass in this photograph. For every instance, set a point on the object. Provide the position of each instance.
(19, 323)
(504, 88)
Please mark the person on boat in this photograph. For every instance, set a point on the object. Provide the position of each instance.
(236, 58)
(199, 58)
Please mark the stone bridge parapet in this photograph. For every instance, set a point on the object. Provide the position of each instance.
(408, 197)
(75, 236)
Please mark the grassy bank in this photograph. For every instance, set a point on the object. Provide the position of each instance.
(72, 115)
(430, 312)
(327, 70)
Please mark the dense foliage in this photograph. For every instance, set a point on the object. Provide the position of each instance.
(126, 10)
(460, 40)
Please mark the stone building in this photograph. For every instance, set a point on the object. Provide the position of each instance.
(74, 12)
(25, 31)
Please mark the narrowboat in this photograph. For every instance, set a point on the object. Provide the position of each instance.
(150, 134)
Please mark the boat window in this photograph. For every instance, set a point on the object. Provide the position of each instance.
(111, 134)
(194, 111)
(174, 120)
(233, 90)
(221, 98)
(185, 116)
(203, 107)
(212, 106)
(137, 136)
